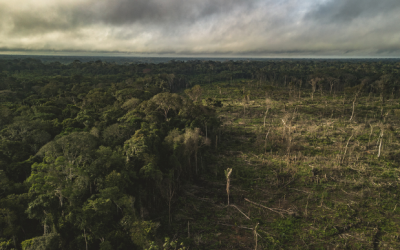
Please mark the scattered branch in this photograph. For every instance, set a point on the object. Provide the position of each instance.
(281, 212)
(240, 211)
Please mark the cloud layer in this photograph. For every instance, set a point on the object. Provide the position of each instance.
(203, 27)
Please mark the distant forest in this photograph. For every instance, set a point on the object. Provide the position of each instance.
(94, 154)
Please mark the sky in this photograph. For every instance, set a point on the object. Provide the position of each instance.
(219, 28)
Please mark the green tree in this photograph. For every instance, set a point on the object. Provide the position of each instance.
(194, 93)
(167, 102)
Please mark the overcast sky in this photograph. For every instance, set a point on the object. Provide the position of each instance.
(250, 28)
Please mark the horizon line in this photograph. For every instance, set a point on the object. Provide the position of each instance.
(63, 54)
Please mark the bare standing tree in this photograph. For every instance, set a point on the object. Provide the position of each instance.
(228, 173)
(380, 141)
(347, 145)
(358, 91)
(332, 81)
(255, 234)
(314, 82)
(265, 143)
(300, 82)
(268, 104)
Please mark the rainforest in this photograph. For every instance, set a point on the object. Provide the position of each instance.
(199, 154)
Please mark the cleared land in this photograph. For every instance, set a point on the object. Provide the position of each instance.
(304, 176)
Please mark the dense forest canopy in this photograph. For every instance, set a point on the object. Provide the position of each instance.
(94, 154)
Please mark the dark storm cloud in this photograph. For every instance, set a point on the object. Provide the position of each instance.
(200, 27)
(354, 27)
(161, 11)
(345, 11)
(31, 23)
(122, 12)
